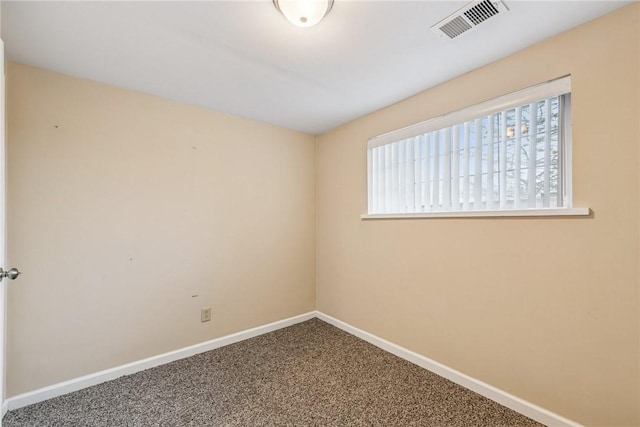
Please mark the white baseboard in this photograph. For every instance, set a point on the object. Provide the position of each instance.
(519, 405)
(510, 401)
(76, 384)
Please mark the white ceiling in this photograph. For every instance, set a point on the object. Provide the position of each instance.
(244, 58)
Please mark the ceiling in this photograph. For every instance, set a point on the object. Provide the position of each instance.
(244, 58)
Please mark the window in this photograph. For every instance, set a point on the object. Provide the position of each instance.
(511, 153)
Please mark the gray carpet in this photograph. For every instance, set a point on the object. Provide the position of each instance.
(309, 374)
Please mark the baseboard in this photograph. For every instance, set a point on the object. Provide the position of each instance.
(76, 384)
(519, 405)
(510, 401)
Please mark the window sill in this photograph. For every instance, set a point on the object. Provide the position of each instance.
(484, 214)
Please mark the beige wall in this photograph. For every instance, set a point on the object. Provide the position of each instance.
(546, 309)
(123, 206)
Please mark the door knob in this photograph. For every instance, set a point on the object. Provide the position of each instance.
(11, 274)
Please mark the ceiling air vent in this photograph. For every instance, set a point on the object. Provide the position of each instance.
(468, 17)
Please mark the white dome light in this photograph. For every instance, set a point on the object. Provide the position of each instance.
(304, 13)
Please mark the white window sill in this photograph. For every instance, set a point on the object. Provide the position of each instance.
(496, 213)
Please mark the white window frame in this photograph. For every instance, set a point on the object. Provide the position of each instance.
(548, 89)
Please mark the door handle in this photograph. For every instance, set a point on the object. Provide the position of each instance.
(11, 274)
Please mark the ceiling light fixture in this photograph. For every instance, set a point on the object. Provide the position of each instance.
(304, 13)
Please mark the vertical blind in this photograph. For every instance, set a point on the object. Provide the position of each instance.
(508, 159)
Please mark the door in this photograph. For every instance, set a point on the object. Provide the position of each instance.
(3, 229)
(11, 273)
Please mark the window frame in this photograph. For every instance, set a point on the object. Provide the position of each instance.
(556, 87)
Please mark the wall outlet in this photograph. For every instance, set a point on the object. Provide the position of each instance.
(205, 314)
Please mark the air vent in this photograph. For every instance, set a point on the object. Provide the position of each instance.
(455, 27)
(468, 17)
(481, 12)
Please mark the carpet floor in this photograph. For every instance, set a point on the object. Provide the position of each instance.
(309, 374)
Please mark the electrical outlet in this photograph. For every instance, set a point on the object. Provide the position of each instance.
(205, 314)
